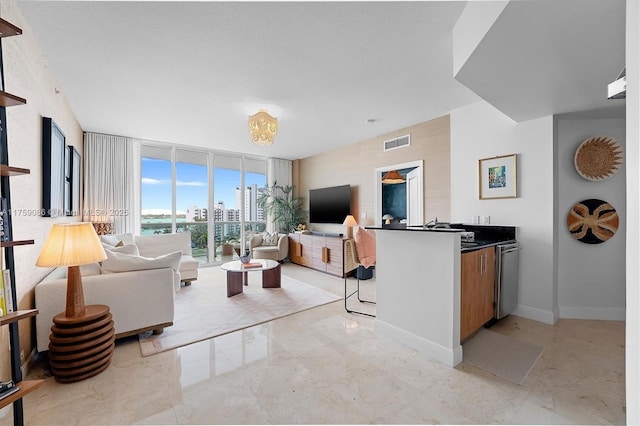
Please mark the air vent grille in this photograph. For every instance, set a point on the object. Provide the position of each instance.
(401, 142)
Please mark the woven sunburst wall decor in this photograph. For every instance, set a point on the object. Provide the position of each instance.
(598, 158)
(592, 221)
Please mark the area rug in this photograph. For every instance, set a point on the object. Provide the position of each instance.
(203, 310)
(504, 356)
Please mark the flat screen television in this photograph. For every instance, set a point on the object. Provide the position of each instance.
(329, 205)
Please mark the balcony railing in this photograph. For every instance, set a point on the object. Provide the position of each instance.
(223, 232)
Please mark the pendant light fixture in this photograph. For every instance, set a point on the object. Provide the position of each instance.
(263, 127)
(393, 177)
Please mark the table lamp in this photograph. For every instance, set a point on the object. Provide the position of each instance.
(387, 218)
(82, 338)
(350, 222)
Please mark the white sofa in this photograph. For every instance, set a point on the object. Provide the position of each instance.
(159, 244)
(139, 300)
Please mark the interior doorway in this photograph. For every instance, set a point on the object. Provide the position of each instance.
(402, 202)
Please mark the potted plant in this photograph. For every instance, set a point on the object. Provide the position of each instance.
(285, 210)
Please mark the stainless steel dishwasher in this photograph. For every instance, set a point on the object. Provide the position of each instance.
(506, 280)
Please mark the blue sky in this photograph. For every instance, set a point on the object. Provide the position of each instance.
(191, 186)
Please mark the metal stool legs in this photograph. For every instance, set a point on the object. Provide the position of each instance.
(357, 293)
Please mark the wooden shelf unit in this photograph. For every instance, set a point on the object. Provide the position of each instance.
(7, 29)
(13, 171)
(26, 386)
(17, 316)
(9, 100)
(12, 320)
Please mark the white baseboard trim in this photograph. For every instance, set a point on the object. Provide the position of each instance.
(450, 357)
(547, 317)
(593, 313)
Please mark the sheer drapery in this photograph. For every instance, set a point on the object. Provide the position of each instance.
(280, 171)
(109, 180)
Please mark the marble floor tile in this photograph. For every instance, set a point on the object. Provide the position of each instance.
(325, 366)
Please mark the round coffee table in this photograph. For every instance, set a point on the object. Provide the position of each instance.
(237, 274)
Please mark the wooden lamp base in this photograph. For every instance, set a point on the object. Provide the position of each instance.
(81, 347)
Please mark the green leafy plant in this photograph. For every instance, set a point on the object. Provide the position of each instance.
(285, 209)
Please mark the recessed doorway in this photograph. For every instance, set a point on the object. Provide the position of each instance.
(402, 201)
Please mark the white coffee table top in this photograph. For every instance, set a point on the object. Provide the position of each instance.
(237, 266)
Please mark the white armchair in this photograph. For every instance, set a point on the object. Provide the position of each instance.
(277, 252)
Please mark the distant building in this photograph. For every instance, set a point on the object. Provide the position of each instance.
(196, 214)
(251, 210)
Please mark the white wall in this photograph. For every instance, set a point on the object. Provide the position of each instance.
(591, 277)
(632, 342)
(481, 131)
(472, 25)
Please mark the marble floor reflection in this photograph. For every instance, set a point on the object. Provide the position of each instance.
(324, 366)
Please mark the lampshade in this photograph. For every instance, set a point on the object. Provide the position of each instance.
(393, 176)
(263, 127)
(71, 244)
(350, 221)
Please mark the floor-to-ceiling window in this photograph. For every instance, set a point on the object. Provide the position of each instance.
(192, 200)
(212, 195)
(227, 209)
(156, 191)
(255, 179)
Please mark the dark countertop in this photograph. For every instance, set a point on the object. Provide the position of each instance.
(419, 228)
(484, 235)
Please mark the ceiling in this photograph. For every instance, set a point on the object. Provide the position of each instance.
(192, 72)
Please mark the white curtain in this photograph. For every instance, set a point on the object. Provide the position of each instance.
(109, 180)
(280, 171)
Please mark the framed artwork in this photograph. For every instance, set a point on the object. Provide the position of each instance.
(53, 169)
(72, 182)
(497, 177)
(67, 180)
(76, 178)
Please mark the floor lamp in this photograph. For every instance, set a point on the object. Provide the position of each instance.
(82, 338)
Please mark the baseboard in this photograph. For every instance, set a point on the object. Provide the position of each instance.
(431, 349)
(593, 313)
(535, 314)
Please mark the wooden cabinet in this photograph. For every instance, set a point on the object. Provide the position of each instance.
(12, 319)
(320, 252)
(476, 290)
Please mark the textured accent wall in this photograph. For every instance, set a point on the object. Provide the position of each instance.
(355, 165)
(28, 74)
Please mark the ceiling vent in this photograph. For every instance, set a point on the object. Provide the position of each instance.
(401, 142)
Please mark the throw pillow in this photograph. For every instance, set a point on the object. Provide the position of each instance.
(114, 240)
(270, 238)
(126, 249)
(121, 262)
(365, 246)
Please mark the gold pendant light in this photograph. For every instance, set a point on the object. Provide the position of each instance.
(263, 127)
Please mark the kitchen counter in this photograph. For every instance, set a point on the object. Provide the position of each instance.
(485, 235)
(418, 284)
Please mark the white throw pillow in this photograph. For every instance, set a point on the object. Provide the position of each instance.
(126, 249)
(121, 262)
(270, 239)
(114, 240)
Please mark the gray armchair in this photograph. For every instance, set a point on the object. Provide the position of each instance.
(277, 252)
